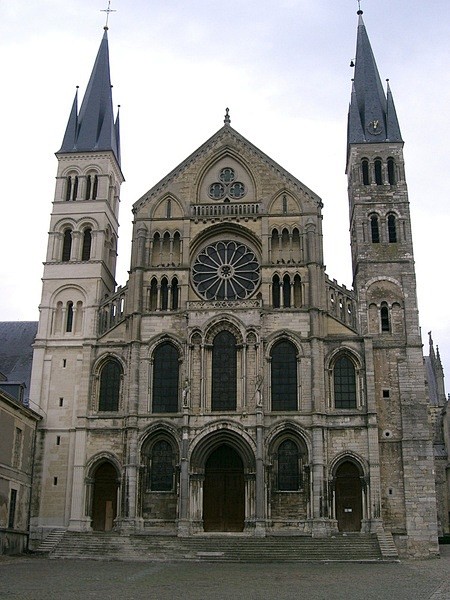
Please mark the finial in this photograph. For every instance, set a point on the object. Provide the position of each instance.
(107, 11)
(360, 12)
(227, 119)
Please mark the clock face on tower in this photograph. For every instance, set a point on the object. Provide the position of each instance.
(374, 127)
(226, 270)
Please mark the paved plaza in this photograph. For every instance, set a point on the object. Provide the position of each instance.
(38, 578)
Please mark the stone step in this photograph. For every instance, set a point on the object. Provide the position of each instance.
(50, 541)
(111, 546)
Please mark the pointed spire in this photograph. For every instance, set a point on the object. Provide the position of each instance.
(227, 119)
(392, 124)
(72, 127)
(117, 128)
(370, 111)
(94, 128)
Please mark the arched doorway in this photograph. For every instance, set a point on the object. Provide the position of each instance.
(224, 491)
(348, 497)
(104, 503)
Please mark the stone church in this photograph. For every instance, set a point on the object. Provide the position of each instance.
(231, 385)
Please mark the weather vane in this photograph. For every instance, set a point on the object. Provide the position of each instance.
(107, 11)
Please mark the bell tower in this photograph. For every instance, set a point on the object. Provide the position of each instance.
(79, 271)
(385, 283)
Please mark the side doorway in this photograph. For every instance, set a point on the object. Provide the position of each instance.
(348, 497)
(104, 503)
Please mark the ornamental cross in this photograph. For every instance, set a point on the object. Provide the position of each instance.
(107, 11)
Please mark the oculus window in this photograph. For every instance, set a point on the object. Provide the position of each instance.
(226, 270)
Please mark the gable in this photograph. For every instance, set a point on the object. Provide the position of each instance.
(262, 179)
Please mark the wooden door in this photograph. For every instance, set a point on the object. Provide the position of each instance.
(348, 497)
(104, 504)
(224, 491)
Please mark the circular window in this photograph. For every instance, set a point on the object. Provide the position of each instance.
(237, 190)
(217, 191)
(227, 175)
(226, 270)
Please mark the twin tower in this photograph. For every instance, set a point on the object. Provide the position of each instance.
(232, 385)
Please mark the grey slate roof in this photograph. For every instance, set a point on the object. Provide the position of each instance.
(93, 128)
(368, 101)
(16, 352)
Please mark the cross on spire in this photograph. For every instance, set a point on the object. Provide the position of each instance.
(107, 11)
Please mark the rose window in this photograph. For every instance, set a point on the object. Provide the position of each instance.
(226, 270)
(227, 186)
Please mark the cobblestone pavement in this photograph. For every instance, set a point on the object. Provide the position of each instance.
(37, 578)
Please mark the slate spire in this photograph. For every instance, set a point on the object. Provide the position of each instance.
(93, 129)
(372, 116)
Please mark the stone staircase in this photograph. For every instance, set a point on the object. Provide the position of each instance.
(51, 541)
(219, 548)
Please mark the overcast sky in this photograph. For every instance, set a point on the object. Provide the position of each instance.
(283, 69)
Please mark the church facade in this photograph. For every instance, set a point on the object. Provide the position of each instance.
(231, 385)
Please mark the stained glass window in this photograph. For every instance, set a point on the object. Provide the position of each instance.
(284, 376)
(165, 378)
(226, 270)
(110, 386)
(224, 372)
(162, 469)
(288, 466)
(344, 383)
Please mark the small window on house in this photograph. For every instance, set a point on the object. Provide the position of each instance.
(12, 509)
(285, 205)
(386, 394)
(384, 314)
(166, 367)
(288, 467)
(169, 208)
(344, 383)
(67, 245)
(69, 317)
(87, 241)
(61, 402)
(55, 481)
(17, 452)
(58, 440)
(110, 379)
(365, 171)
(374, 229)
(391, 171)
(161, 467)
(378, 171)
(392, 229)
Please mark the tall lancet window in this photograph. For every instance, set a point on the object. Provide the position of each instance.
(67, 245)
(224, 372)
(87, 241)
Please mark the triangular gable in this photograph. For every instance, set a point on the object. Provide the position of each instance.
(220, 136)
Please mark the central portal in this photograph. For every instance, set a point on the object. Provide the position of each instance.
(224, 491)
